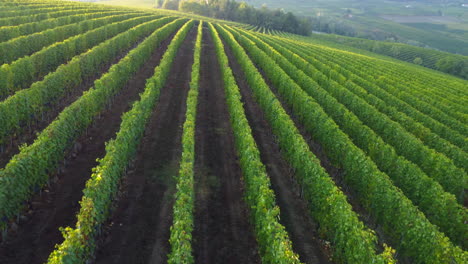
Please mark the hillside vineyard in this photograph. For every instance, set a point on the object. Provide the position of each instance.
(154, 136)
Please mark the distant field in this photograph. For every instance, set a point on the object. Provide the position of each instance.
(392, 17)
(426, 57)
(423, 19)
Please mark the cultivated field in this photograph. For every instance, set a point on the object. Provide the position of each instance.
(146, 136)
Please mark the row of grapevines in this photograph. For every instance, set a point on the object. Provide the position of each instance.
(440, 89)
(443, 96)
(427, 83)
(20, 12)
(458, 155)
(439, 96)
(438, 128)
(13, 5)
(20, 46)
(384, 95)
(11, 32)
(272, 238)
(355, 84)
(434, 164)
(182, 224)
(14, 21)
(442, 84)
(429, 107)
(401, 51)
(404, 225)
(414, 93)
(330, 71)
(44, 7)
(36, 3)
(23, 72)
(28, 104)
(451, 107)
(436, 96)
(373, 89)
(30, 169)
(25, 45)
(440, 207)
(352, 242)
(103, 184)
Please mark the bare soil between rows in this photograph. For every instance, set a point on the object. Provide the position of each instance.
(222, 232)
(38, 231)
(138, 230)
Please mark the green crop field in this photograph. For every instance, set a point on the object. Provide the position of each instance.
(442, 61)
(142, 135)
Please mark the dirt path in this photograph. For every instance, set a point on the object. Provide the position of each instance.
(222, 230)
(138, 231)
(38, 231)
(294, 213)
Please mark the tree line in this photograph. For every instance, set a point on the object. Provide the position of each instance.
(276, 19)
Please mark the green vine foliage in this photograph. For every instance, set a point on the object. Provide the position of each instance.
(436, 95)
(398, 98)
(28, 104)
(38, 15)
(182, 226)
(434, 164)
(17, 20)
(25, 70)
(352, 242)
(273, 240)
(406, 227)
(441, 208)
(25, 45)
(10, 32)
(79, 243)
(444, 140)
(29, 170)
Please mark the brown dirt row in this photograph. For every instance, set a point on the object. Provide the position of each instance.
(138, 230)
(222, 231)
(38, 231)
(294, 215)
(27, 133)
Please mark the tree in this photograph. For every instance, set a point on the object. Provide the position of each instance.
(159, 3)
(395, 50)
(171, 4)
(242, 12)
(193, 6)
(453, 66)
(418, 61)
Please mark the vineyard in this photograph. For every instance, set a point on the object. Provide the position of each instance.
(454, 64)
(155, 136)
